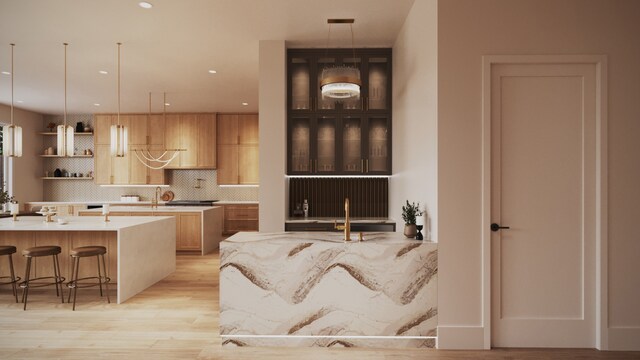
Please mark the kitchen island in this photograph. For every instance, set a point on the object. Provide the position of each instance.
(313, 289)
(198, 228)
(140, 250)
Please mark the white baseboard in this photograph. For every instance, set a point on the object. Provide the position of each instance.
(623, 338)
(461, 337)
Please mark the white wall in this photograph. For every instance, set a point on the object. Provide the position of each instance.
(273, 120)
(27, 170)
(468, 29)
(415, 115)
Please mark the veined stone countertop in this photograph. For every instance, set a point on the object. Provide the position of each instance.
(313, 289)
(123, 203)
(147, 209)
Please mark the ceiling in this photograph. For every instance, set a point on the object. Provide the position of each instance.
(168, 48)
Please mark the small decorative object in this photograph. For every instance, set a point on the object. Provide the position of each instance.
(87, 129)
(409, 213)
(15, 209)
(57, 173)
(297, 212)
(305, 208)
(105, 212)
(419, 234)
(90, 174)
(79, 127)
(89, 152)
(51, 126)
(65, 173)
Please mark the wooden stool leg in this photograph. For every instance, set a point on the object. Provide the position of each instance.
(75, 292)
(13, 278)
(106, 283)
(25, 290)
(59, 280)
(99, 275)
(55, 274)
(70, 284)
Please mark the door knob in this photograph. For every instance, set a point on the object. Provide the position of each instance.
(496, 227)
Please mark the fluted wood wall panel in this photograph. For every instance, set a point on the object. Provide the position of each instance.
(368, 196)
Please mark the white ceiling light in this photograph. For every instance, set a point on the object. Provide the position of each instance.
(96, 104)
(65, 132)
(212, 72)
(145, 5)
(341, 82)
(103, 72)
(6, 73)
(12, 134)
(167, 104)
(245, 104)
(19, 101)
(119, 133)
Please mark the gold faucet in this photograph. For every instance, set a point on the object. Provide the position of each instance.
(154, 203)
(347, 224)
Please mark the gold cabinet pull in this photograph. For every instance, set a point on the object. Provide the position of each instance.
(362, 166)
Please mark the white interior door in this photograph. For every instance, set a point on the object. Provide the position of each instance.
(543, 188)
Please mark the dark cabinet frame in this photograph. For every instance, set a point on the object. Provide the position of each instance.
(313, 114)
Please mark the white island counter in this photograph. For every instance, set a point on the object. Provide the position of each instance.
(198, 228)
(140, 250)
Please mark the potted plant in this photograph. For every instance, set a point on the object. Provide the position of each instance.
(5, 198)
(409, 214)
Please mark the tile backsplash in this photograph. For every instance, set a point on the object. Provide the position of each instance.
(181, 182)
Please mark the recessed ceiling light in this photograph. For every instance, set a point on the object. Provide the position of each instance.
(19, 101)
(96, 104)
(6, 73)
(145, 5)
(103, 72)
(212, 72)
(245, 104)
(167, 104)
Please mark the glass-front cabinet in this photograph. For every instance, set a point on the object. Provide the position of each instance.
(328, 136)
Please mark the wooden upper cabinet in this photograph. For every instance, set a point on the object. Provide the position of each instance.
(138, 172)
(207, 141)
(238, 138)
(189, 140)
(196, 133)
(155, 129)
(248, 129)
(172, 137)
(228, 129)
(156, 176)
(248, 164)
(102, 129)
(120, 169)
(137, 128)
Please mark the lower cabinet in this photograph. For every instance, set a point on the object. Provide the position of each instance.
(188, 227)
(240, 218)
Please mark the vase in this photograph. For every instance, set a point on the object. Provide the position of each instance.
(79, 127)
(410, 230)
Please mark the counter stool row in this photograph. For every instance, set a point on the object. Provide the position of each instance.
(56, 279)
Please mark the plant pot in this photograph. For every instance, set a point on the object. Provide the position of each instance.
(410, 230)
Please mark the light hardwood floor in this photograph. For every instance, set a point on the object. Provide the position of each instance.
(178, 318)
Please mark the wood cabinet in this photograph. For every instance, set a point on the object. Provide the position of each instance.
(188, 226)
(237, 142)
(338, 137)
(240, 217)
(196, 133)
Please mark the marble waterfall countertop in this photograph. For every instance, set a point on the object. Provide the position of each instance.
(313, 289)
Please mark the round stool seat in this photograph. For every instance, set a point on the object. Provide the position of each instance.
(7, 250)
(88, 251)
(42, 251)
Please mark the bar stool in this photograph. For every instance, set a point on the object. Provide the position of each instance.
(58, 280)
(13, 279)
(74, 284)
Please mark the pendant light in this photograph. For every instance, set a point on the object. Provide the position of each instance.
(12, 134)
(119, 135)
(65, 132)
(341, 82)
